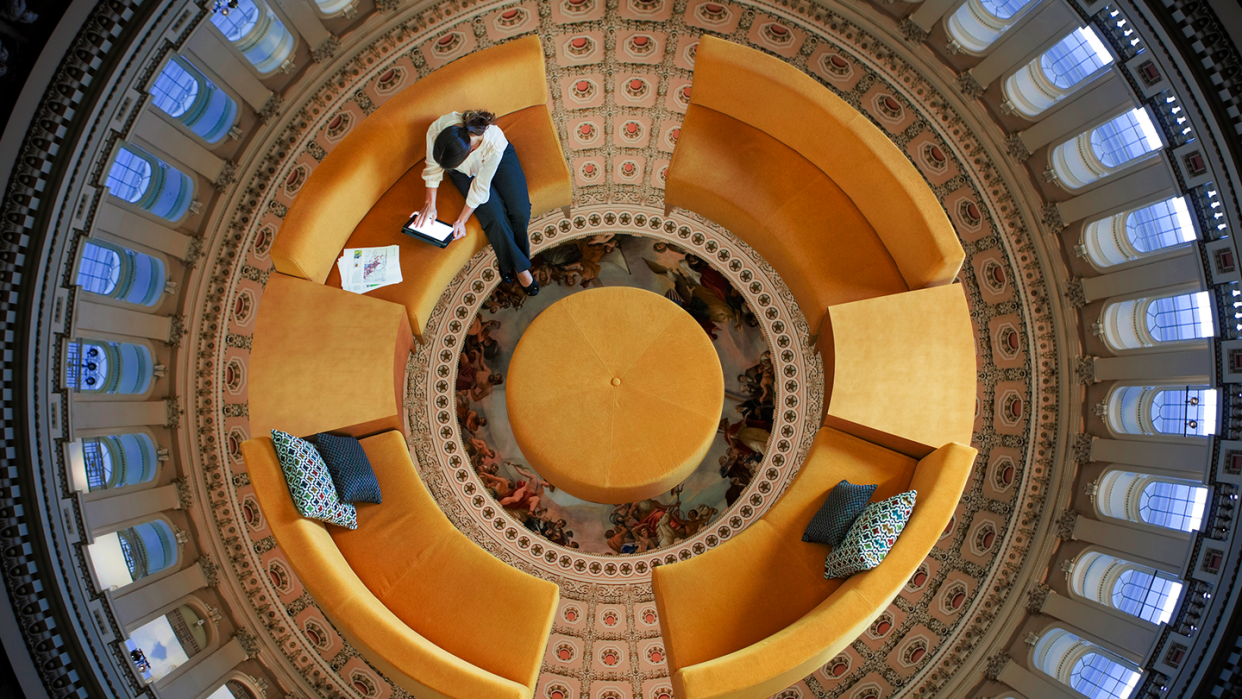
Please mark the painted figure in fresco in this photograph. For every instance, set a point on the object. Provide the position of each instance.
(526, 493)
(474, 376)
(479, 336)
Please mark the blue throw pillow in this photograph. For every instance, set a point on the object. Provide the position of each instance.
(872, 536)
(310, 484)
(350, 468)
(844, 503)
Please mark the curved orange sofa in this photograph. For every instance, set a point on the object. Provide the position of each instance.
(804, 178)
(755, 615)
(367, 187)
(406, 586)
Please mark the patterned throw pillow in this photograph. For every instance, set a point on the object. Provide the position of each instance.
(310, 484)
(844, 503)
(350, 468)
(872, 536)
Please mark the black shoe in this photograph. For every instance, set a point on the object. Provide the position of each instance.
(506, 277)
(532, 289)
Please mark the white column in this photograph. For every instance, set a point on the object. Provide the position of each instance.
(1192, 366)
(1130, 639)
(1034, 685)
(92, 415)
(215, 53)
(103, 515)
(1147, 180)
(304, 20)
(1171, 551)
(127, 225)
(1046, 26)
(115, 319)
(1176, 457)
(137, 603)
(206, 675)
(1183, 268)
(930, 11)
(1106, 94)
(155, 130)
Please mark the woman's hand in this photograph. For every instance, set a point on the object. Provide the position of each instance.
(459, 229)
(426, 215)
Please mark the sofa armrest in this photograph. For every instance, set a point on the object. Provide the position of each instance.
(939, 479)
(765, 668)
(417, 664)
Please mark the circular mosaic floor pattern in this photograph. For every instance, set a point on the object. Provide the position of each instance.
(774, 385)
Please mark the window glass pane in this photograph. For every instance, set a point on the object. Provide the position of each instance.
(130, 175)
(239, 21)
(1160, 225)
(174, 89)
(1101, 678)
(1145, 595)
(1182, 317)
(1004, 9)
(1074, 58)
(1125, 138)
(1173, 505)
(86, 366)
(1189, 411)
(98, 464)
(100, 269)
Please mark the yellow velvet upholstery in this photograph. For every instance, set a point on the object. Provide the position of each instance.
(407, 588)
(715, 167)
(508, 80)
(755, 614)
(614, 394)
(534, 139)
(904, 365)
(326, 360)
(785, 207)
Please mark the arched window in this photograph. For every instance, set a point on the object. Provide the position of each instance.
(148, 182)
(123, 557)
(256, 31)
(1146, 322)
(1137, 233)
(116, 461)
(1084, 666)
(1163, 410)
(334, 7)
(120, 273)
(96, 366)
(1135, 589)
(1174, 503)
(1105, 149)
(162, 645)
(183, 92)
(1057, 72)
(977, 24)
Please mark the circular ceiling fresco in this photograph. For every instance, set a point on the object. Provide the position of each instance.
(620, 76)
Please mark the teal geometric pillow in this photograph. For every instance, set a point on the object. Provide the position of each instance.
(310, 484)
(871, 537)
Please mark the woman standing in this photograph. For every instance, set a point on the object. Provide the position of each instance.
(483, 166)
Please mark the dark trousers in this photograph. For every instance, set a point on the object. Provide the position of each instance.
(505, 215)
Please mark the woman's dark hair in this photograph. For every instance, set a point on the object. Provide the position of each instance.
(453, 144)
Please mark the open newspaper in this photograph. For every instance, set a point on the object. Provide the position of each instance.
(366, 269)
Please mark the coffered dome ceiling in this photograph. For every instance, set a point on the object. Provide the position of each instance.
(619, 75)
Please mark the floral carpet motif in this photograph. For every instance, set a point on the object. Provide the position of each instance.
(605, 260)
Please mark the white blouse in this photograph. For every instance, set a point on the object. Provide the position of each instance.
(481, 164)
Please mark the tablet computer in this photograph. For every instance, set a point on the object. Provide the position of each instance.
(438, 233)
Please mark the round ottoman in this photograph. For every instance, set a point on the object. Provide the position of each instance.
(614, 395)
